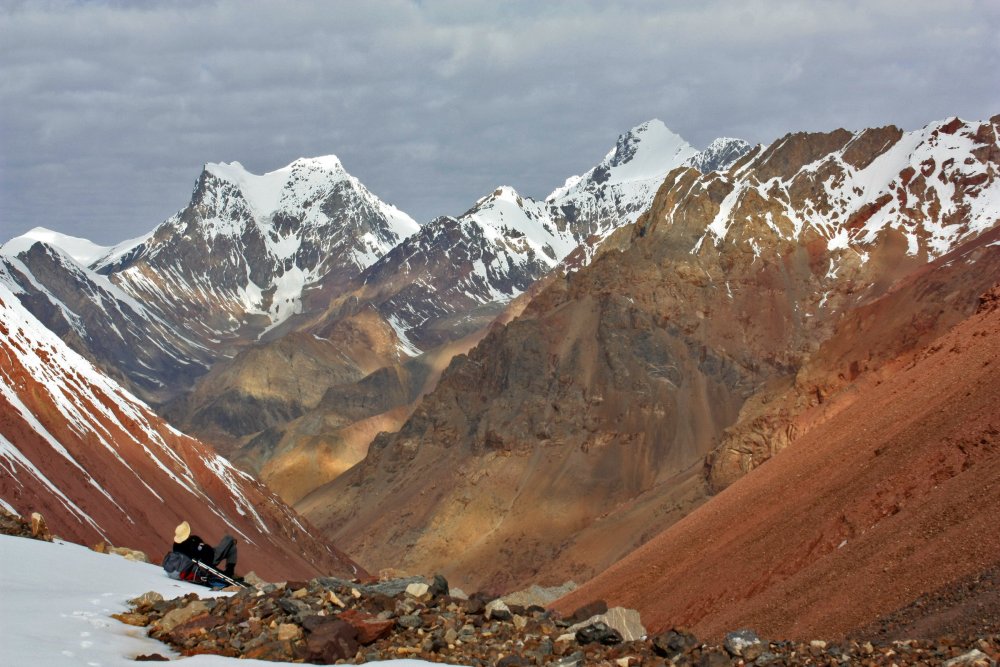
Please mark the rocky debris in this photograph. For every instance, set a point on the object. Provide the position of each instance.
(966, 607)
(326, 621)
(36, 528)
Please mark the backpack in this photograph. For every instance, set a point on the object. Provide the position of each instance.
(179, 566)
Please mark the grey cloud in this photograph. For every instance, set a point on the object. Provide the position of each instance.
(109, 109)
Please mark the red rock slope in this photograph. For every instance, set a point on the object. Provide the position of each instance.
(894, 495)
(99, 465)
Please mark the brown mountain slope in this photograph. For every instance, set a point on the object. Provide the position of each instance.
(891, 497)
(577, 432)
(100, 465)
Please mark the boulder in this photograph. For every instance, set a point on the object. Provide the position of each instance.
(331, 640)
(674, 642)
(369, 628)
(147, 598)
(180, 615)
(40, 529)
(254, 580)
(626, 621)
(499, 610)
(439, 587)
(598, 633)
(289, 631)
(129, 554)
(739, 641)
(974, 658)
(537, 595)
(417, 590)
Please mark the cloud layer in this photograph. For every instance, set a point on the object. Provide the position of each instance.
(108, 109)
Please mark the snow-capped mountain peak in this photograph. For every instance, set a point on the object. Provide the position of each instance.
(642, 152)
(83, 251)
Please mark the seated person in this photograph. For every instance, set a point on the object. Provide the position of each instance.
(195, 548)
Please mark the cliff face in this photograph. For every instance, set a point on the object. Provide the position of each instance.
(572, 435)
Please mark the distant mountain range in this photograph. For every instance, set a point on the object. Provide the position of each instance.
(248, 253)
(530, 391)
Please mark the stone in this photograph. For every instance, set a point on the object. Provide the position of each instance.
(39, 528)
(410, 621)
(180, 615)
(129, 554)
(572, 660)
(512, 661)
(752, 652)
(735, 642)
(715, 659)
(537, 595)
(818, 643)
(626, 621)
(289, 631)
(499, 610)
(674, 642)
(101, 547)
(974, 658)
(295, 607)
(417, 590)
(369, 628)
(331, 640)
(195, 626)
(474, 606)
(131, 618)
(147, 598)
(151, 657)
(439, 587)
(254, 580)
(600, 633)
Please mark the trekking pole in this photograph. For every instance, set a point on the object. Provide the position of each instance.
(220, 575)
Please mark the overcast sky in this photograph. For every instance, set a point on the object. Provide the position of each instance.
(109, 109)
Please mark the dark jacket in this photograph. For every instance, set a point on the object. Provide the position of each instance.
(196, 549)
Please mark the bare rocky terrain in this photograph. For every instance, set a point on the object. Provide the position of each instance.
(685, 355)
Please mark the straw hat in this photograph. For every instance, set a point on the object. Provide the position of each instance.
(183, 532)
